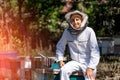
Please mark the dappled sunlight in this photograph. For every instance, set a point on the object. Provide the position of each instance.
(6, 45)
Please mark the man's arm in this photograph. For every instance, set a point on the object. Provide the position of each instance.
(94, 54)
(60, 48)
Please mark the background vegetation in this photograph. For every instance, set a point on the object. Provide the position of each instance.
(109, 68)
(29, 26)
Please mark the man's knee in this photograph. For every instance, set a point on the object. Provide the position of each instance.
(64, 70)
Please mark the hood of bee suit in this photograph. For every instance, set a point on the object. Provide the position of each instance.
(83, 24)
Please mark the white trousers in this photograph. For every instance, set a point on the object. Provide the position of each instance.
(71, 67)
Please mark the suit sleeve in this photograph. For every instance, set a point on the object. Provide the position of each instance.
(95, 54)
(60, 47)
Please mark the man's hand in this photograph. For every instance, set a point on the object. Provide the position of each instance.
(61, 63)
(90, 74)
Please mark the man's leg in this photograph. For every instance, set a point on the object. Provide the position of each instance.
(69, 68)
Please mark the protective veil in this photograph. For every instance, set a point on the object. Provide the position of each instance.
(83, 25)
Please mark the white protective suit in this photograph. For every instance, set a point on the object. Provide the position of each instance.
(83, 46)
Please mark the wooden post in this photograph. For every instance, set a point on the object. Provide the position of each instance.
(28, 74)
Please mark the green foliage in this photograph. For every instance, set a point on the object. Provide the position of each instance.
(45, 13)
(101, 16)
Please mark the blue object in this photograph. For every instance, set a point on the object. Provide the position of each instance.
(57, 76)
(55, 66)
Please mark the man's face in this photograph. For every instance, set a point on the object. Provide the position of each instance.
(76, 21)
